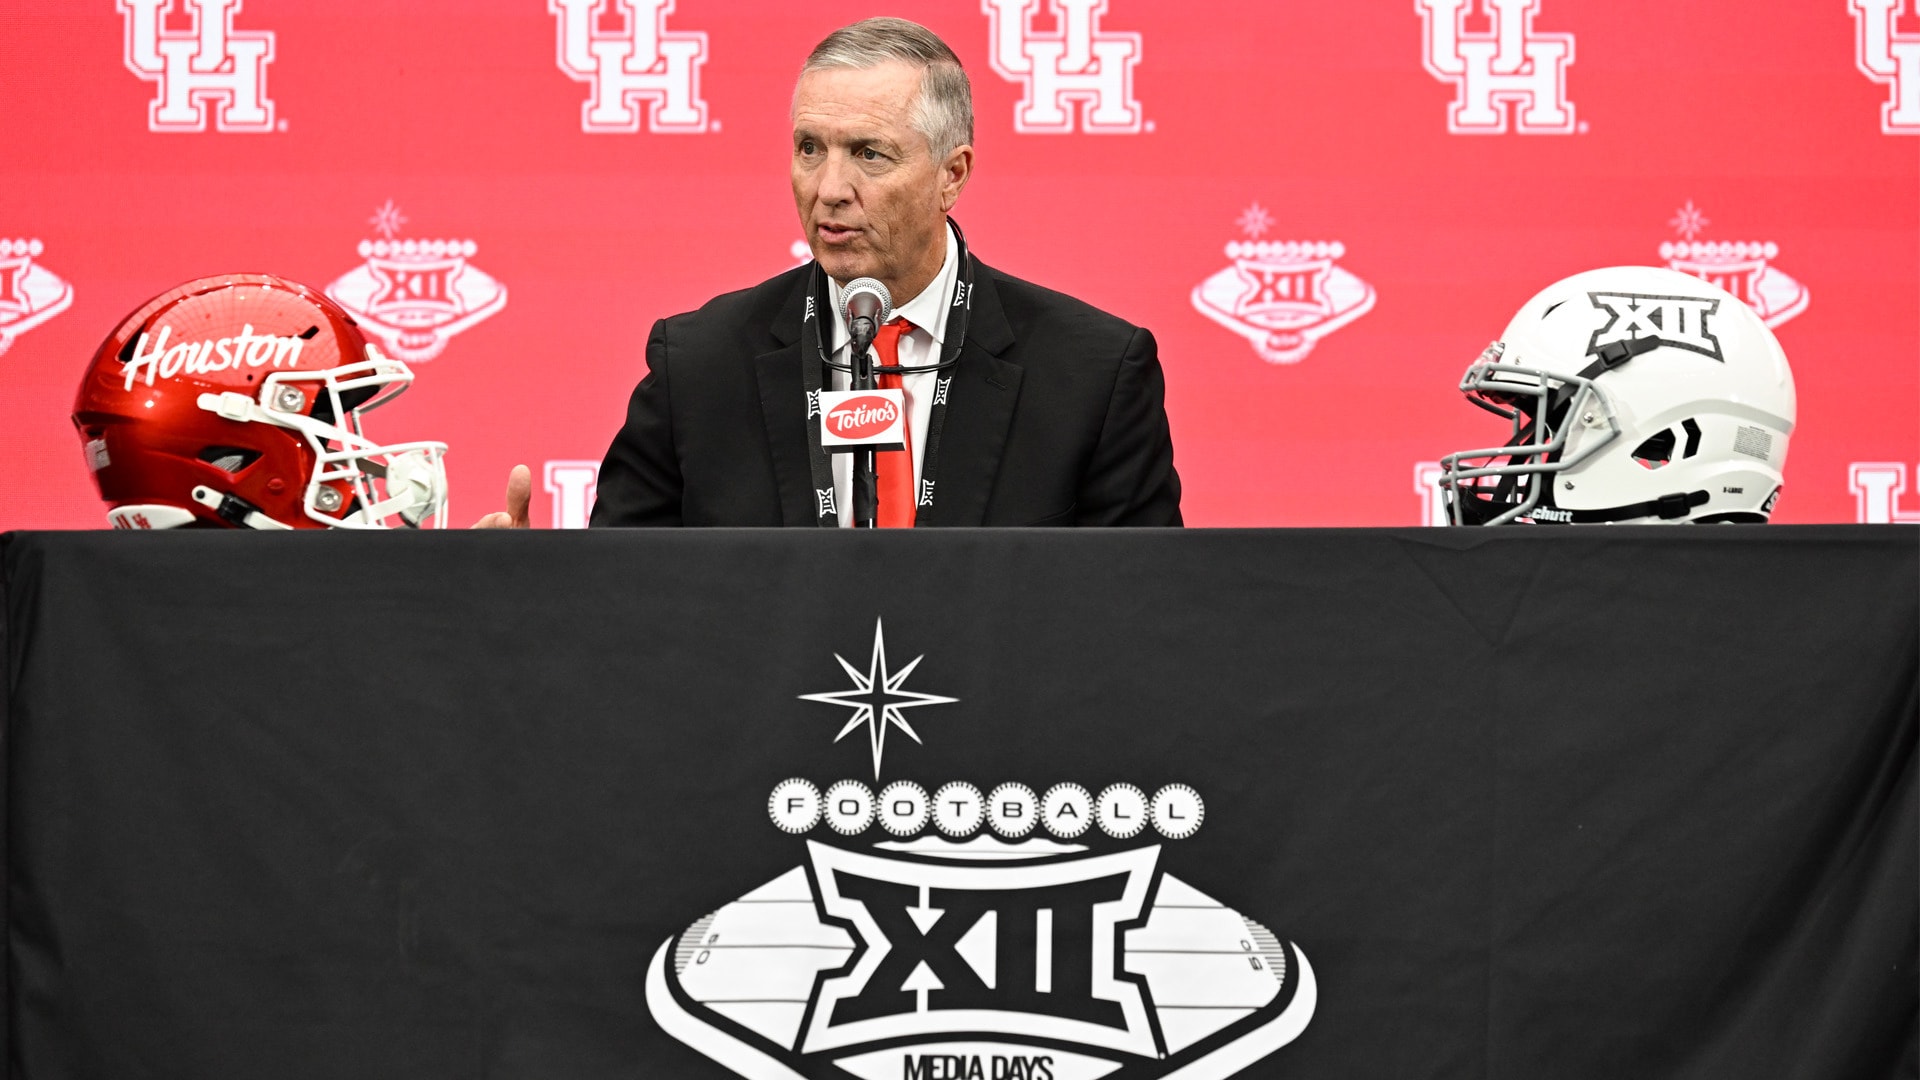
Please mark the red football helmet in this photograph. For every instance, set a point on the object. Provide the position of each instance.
(235, 401)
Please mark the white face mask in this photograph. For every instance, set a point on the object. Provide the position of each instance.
(417, 486)
(407, 480)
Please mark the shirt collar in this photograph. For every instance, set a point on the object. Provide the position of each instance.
(927, 311)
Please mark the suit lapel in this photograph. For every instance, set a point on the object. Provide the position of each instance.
(979, 412)
(783, 409)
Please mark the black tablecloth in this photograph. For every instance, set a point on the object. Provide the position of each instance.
(1515, 803)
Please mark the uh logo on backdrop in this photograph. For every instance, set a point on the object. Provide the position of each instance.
(643, 62)
(1891, 59)
(211, 68)
(962, 934)
(1514, 65)
(1077, 62)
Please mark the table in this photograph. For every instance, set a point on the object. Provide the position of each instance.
(1413, 803)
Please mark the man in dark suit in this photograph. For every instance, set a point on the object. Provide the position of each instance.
(1050, 413)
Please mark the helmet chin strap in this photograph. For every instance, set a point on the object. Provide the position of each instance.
(1666, 507)
(1605, 359)
(234, 510)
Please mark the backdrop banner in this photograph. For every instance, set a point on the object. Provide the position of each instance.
(1322, 804)
(1323, 210)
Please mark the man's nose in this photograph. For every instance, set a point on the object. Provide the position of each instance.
(837, 176)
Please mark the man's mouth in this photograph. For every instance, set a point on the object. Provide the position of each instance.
(833, 233)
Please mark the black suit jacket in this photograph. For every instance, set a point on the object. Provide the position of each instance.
(1056, 416)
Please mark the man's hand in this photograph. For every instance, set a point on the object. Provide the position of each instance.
(519, 495)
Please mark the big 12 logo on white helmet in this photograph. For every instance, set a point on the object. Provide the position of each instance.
(213, 61)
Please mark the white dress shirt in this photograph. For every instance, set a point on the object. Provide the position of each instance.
(921, 345)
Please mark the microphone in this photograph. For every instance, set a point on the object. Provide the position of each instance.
(865, 304)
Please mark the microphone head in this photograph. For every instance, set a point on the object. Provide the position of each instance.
(866, 298)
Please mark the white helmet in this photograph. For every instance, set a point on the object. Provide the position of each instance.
(1636, 395)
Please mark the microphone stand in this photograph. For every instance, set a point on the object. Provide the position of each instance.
(866, 480)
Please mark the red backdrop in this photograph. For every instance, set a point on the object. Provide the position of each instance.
(1397, 189)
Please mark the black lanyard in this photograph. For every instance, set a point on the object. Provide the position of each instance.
(814, 373)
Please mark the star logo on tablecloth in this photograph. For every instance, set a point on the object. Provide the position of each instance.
(876, 699)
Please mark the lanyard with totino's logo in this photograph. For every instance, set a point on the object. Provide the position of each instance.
(814, 378)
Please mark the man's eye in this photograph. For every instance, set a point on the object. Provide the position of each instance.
(806, 146)
(870, 154)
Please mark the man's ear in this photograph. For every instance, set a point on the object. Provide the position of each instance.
(955, 170)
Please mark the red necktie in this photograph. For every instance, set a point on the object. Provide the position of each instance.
(894, 468)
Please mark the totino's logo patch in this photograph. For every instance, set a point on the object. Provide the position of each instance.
(857, 418)
(955, 934)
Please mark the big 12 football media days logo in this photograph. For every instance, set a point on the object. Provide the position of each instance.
(646, 62)
(211, 62)
(967, 935)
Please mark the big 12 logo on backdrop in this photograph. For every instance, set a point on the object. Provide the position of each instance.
(1889, 58)
(416, 294)
(1514, 65)
(1079, 62)
(211, 62)
(1282, 296)
(1743, 268)
(647, 62)
(30, 294)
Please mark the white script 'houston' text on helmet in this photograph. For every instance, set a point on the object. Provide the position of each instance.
(1633, 394)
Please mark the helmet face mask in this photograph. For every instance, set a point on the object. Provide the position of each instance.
(1632, 395)
(1496, 485)
(237, 401)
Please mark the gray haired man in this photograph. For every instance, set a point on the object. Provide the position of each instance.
(1025, 406)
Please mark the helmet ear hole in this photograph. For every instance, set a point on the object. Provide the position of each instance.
(229, 458)
(1656, 451)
